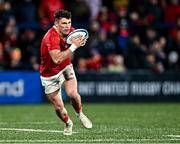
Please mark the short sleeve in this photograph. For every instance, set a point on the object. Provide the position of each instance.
(54, 42)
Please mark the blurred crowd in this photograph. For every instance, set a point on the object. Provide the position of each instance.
(124, 34)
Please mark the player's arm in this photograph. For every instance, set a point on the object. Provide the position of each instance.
(59, 56)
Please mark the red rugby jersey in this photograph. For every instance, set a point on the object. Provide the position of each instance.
(52, 41)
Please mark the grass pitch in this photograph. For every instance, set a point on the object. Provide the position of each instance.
(112, 123)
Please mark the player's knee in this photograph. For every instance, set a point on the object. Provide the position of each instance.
(58, 104)
(72, 93)
(52, 98)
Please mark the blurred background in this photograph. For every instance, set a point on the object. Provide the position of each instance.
(132, 54)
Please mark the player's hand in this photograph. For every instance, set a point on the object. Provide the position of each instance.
(80, 41)
(84, 42)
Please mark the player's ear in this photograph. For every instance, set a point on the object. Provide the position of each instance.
(55, 23)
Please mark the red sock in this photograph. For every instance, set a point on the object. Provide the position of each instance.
(66, 118)
(76, 106)
(78, 109)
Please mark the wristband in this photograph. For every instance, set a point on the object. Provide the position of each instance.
(73, 47)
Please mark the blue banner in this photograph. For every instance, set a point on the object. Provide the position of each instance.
(132, 86)
(20, 87)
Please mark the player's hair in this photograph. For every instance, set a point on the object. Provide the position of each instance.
(62, 14)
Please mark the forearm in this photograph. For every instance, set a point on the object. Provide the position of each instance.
(63, 55)
(59, 56)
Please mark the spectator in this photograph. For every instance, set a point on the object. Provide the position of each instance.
(9, 38)
(153, 65)
(15, 60)
(81, 12)
(150, 36)
(105, 45)
(172, 11)
(116, 63)
(173, 60)
(174, 30)
(29, 45)
(136, 53)
(123, 36)
(46, 11)
(95, 7)
(106, 18)
(134, 29)
(153, 12)
(95, 62)
(3, 61)
(26, 13)
(174, 53)
(5, 12)
(82, 65)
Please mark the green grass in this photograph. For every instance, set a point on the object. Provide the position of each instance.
(112, 123)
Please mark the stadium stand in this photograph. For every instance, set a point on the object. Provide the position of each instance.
(124, 35)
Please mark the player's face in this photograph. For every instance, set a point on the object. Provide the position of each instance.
(64, 26)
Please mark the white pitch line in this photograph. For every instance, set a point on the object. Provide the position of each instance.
(51, 122)
(31, 130)
(87, 140)
(175, 136)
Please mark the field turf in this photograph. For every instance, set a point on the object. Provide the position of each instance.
(112, 123)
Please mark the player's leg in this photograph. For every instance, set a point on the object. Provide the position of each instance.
(52, 89)
(71, 90)
(61, 112)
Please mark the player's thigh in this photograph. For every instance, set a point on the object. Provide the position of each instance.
(70, 86)
(70, 83)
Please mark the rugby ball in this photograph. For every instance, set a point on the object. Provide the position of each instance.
(77, 33)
